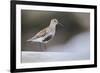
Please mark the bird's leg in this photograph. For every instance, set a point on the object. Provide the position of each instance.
(40, 45)
(45, 46)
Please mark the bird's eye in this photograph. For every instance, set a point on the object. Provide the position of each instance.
(54, 21)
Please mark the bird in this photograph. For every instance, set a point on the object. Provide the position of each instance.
(46, 34)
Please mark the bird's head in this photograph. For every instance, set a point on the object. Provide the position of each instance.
(55, 22)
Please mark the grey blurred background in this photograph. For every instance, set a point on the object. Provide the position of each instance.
(32, 21)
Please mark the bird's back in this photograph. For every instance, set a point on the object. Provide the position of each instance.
(40, 34)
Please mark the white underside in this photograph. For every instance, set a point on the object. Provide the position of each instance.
(38, 40)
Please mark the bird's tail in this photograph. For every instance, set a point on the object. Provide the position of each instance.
(29, 40)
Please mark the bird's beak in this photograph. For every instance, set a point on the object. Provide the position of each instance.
(61, 24)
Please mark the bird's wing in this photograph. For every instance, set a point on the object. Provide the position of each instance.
(41, 33)
(49, 37)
